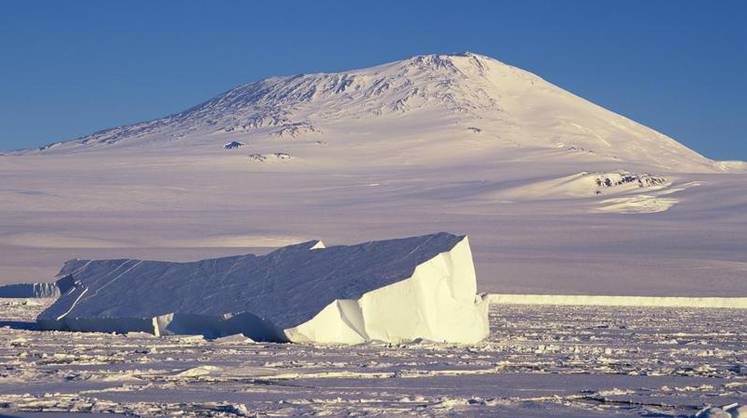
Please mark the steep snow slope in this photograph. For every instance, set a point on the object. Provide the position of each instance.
(435, 142)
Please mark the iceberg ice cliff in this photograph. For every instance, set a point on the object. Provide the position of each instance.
(394, 290)
(37, 290)
(29, 290)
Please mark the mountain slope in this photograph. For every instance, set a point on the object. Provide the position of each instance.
(456, 95)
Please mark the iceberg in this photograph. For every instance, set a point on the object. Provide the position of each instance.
(395, 290)
(37, 290)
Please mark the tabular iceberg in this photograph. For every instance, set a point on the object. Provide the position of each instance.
(37, 290)
(394, 290)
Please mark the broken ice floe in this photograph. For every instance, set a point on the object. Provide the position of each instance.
(538, 361)
(394, 291)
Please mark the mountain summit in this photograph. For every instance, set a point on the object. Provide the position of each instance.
(437, 96)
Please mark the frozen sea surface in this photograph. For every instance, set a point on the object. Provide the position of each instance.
(539, 361)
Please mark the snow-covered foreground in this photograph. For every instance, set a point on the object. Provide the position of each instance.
(539, 361)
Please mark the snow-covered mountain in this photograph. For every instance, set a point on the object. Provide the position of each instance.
(456, 96)
(557, 194)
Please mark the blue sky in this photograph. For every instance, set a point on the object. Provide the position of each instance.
(70, 68)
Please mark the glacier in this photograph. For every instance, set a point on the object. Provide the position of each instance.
(397, 290)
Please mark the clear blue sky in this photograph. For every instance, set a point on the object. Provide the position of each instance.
(68, 68)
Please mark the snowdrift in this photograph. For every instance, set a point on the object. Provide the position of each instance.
(394, 290)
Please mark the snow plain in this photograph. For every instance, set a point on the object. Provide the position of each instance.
(539, 361)
(459, 143)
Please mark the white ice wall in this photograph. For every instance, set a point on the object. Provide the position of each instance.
(438, 302)
(394, 291)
